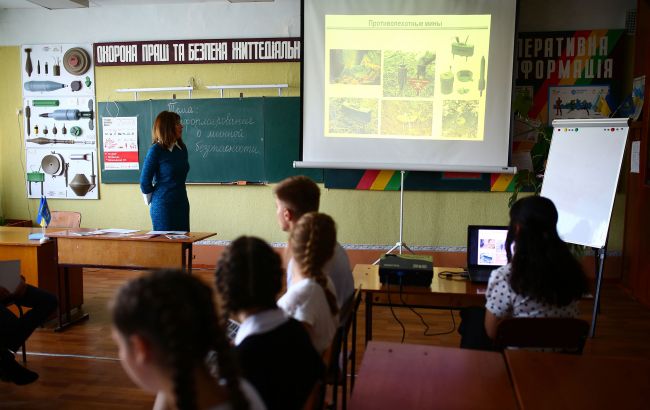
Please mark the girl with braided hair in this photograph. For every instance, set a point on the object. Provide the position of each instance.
(165, 324)
(311, 297)
(273, 350)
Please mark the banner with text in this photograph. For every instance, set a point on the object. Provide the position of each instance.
(260, 50)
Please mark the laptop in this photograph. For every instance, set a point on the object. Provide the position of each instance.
(486, 250)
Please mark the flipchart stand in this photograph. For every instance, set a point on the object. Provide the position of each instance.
(581, 176)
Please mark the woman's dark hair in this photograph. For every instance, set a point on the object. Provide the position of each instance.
(249, 275)
(543, 267)
(175, 313)
(312, 242)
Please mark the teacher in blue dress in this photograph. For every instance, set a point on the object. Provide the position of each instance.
(163, 176)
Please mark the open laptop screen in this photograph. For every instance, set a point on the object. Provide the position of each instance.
(486, 245)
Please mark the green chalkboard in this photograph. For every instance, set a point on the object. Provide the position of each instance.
(228, 139)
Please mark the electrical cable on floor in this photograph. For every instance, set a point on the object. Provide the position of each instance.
(390, 305)
(426, 326)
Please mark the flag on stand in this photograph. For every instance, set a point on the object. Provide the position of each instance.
(44, 216)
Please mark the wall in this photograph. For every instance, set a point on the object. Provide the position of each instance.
(369, 218)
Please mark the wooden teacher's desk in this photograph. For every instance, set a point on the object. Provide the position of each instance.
(38, 262)
(560, 381)
(402, 376)
(442, 294)
(119, 251)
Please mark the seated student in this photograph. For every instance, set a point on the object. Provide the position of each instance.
(165, 324)
(311, 298)
(14, 331)
(294, 197)
(542, 277)
(274, 351)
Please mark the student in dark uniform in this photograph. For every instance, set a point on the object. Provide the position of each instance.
(163, 176)
(14, 331)
(274, 351)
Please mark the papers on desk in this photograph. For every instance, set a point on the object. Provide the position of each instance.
(177, 237)
(9, 275)
(120, 231)
(105, 231)
(166, 232)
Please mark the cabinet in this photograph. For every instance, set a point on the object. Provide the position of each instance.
(636, 241)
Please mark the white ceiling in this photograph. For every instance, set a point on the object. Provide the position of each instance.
(24, 4)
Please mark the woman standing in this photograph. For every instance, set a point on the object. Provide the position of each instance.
(163, 176)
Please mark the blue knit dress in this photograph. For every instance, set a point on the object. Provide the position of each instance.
(163, 175)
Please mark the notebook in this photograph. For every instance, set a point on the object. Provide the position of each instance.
(486, 250)
(10, 275)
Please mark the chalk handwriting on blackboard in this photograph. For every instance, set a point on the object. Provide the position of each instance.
(217, 121)
(206, 149)
(238, 134)
(173, 107)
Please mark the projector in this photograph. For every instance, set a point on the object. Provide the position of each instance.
(407, 270)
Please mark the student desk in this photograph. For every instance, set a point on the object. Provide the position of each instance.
(117, 251)
(442, 294)
(403, 376)
(38, 262)
(559, 381)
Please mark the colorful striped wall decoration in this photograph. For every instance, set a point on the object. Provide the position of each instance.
(375, 180)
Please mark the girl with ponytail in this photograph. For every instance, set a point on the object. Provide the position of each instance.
(311, 297)
(165, 325)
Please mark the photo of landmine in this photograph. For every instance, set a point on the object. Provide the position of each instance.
(409, 74)
(353, 116)
(361, 67)
(406, 117)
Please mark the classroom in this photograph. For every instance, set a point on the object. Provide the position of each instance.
(368, 218)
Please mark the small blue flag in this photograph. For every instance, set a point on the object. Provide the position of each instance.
(43, 218)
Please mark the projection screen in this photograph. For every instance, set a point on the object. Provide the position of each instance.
(407, 85)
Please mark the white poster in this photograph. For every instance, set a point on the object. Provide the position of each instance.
(120, 136)
(59, 121)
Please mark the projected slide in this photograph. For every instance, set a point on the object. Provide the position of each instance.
(406, 77)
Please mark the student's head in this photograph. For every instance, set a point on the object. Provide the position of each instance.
(249, 276)
(311, 242)
(542, 265)
(534, 214)
(294, 197)
(164, 324)
(167, 129)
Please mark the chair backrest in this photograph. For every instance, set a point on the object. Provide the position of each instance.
(345, 320)
(65, 219)
(564, 334)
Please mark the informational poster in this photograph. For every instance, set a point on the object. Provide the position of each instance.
(120, 140)
(575, 102)
(59, 113)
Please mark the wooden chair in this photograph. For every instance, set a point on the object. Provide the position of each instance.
(339, 353)
(65, 219)
(567, 335)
